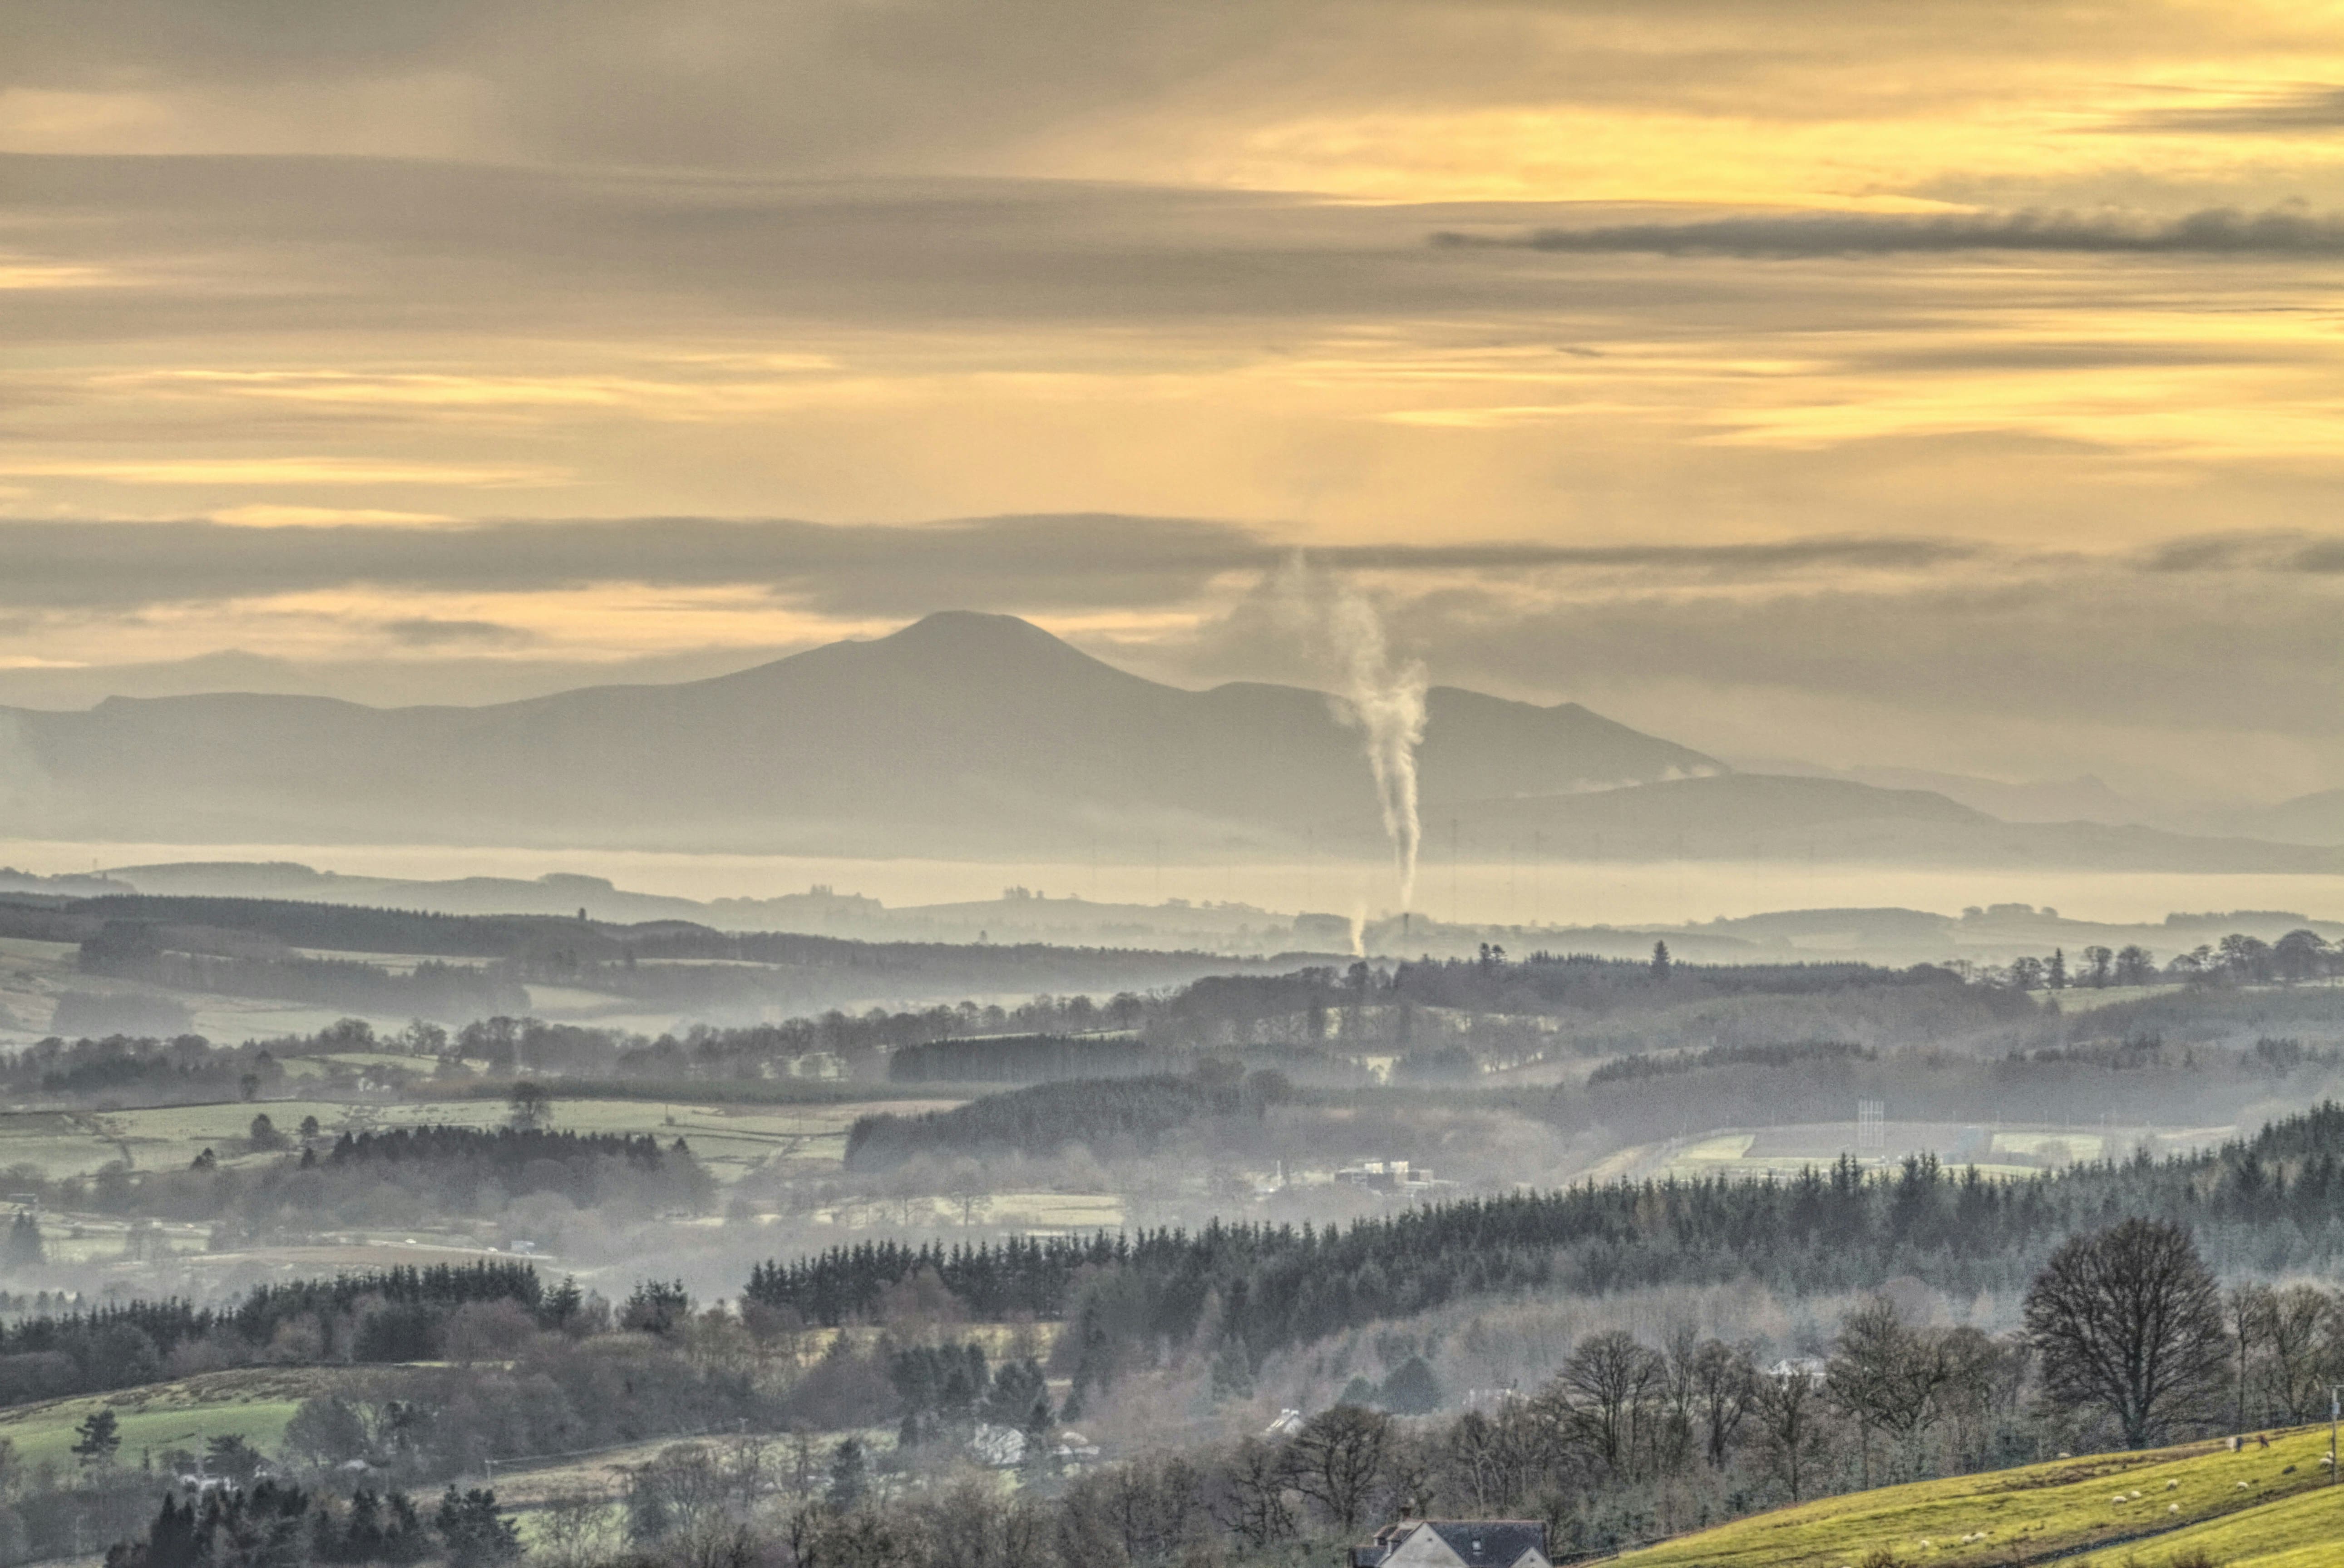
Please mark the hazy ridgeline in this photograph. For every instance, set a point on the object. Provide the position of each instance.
(466, 967)
(141, 963)
(1488, 1072)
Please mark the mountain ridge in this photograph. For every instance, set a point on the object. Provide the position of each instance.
(961, 734)
(973, 736)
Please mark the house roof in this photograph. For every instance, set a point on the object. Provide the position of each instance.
(1478, 1542)
(1491, 1542)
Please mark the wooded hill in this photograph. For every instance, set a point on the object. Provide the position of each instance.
(2272, 1200)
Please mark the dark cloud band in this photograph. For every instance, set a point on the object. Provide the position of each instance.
(2215, 231)
(1020, 563)
(2310, 108)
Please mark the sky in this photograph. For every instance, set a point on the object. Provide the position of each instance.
(1949, 385)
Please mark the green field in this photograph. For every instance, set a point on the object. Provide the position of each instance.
(254, 1405)
(2260, 1506)
(2303, 1532)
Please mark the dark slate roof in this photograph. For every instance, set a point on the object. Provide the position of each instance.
(1491, 1542)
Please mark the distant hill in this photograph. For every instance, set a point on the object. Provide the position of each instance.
(1765, 816)
(2082, 799)
(968, 736)
(964, 734)
(2307, 819)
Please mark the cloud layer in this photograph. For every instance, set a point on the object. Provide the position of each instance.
(2215, 231)
(1900, 384)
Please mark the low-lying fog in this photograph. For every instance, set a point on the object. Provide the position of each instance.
(1499, 892)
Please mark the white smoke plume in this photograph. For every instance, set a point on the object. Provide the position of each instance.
(1380, 696)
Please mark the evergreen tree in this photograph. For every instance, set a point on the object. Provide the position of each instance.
(23, 1250)
(562, 1304)
(657, 1306)
(96, 1438)
(472, 1532)
(1232, 1372)
(1411, 1390)
(850, 1474)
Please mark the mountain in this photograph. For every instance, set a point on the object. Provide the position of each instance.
(1764, 817)
(2307, 819)
(383, 682)
(2082, 799)
(963, 734)
(968, 736)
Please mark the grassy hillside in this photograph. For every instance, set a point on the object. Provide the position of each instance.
(2303, 1532)
(2256, 1507)
(253, 1404)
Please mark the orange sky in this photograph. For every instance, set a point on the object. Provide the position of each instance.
(2050, 292)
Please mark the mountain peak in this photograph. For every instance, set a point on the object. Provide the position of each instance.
(975, 631)
(955, 645)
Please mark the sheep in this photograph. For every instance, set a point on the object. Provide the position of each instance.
(2172, 1486)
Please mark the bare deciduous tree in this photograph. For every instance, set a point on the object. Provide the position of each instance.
(1252, 1499)
(1789, 1409)
(574, 1528)
(1339, 1460)
(1609, 1380)
(2296, 1332)
(2248, 1307)
(1888, 1375)
(1725, 1382)
(530, 1106)
(2129, 1322)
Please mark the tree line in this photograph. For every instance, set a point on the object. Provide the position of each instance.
(136, 950)
(1636, 1069)
(2127, 1341)
(1023, 1058)
(2124, 1342)
(274, 1524)
(2301, 956)
(381, 1176)
(1039, 1120)
(388, 1315)
(2274, 1197)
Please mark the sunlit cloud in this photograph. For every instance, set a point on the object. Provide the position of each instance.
(26, 276)
(276, 471)
(262, 515)
(1704, 358)
(716, 395)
